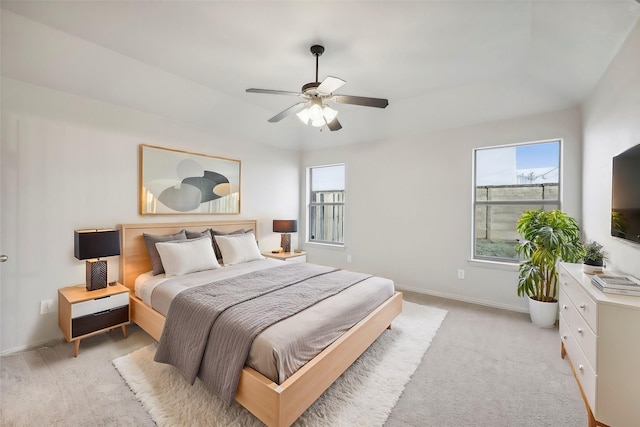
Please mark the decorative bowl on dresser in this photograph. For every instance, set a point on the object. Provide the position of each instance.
(600, 335)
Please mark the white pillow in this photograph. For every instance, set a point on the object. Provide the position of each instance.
(187, 256)
(238, 248)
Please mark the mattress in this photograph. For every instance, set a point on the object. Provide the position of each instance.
(284, 347)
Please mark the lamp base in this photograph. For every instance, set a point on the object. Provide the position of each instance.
(285, 242)
(96, 274)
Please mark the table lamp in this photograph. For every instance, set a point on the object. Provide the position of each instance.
(285, 226)
(92, 245)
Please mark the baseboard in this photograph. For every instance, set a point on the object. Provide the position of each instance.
(463, 299)
(46, 343)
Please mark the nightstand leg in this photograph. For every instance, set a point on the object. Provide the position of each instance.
(76, 348)
(124, 330)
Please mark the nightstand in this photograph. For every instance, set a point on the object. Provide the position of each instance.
(83, 313)
(288, 256)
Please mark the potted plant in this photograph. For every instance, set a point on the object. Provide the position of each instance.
(593, 259)
(548, 237)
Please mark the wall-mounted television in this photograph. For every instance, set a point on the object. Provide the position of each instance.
(625, 200)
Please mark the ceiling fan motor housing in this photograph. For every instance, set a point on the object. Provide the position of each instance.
(310, 87)
(317, 50)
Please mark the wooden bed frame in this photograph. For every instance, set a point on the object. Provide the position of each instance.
(275, 405)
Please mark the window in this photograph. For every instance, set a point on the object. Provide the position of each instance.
(508, 181)
(326, 204)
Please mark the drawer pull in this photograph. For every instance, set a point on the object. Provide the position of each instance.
(579, 330)
(101, 313)
(564, 338)
(564, 307)
(581, 368)
(582, 306)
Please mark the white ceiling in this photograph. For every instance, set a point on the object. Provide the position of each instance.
(441, 64)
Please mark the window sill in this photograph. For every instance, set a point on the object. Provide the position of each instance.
(333, 246)
(496, 265)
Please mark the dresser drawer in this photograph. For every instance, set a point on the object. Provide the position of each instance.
(97, 305)
(583, 370)
(102, 320)
(583, 302)
(577, 325)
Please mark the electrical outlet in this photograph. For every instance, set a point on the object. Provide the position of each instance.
(349, 258)
(47, 306)
(461, 274)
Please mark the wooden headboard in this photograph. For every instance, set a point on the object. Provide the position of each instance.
(134, 258)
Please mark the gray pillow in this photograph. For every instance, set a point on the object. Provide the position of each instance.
(150, 241)
(197, 234)
(216, 249)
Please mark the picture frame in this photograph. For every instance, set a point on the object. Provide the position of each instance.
(181, 182)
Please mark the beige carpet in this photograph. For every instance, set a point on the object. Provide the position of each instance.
(485, 367)
(363, 396)
(49, 387)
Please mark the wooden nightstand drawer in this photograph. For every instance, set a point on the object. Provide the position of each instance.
(97, 321)
(299, 258)
(97, 305)
(83, 313)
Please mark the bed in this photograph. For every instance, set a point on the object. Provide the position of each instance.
(274, 404)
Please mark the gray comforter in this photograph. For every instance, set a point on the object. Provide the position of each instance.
(210, 328)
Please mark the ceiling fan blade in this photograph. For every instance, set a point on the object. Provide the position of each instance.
(334, 125)
(330, 85)
(361, 100)
(295, 108)
(273, 92)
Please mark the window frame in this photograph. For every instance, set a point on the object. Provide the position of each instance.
(556, 203)
(311, 205)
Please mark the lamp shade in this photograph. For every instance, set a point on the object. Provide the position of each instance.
(90, 244)
(316, 113)
(285, 225)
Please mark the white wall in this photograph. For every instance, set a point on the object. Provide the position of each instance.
(611, 125)
(70, 163)
(408, 206)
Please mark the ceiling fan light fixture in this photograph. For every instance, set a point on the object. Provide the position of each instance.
(315, 112)
(329, 113)
(304, 116)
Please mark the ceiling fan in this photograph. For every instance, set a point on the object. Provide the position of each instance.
(313, 109)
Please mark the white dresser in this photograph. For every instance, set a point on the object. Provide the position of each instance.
(600, 334)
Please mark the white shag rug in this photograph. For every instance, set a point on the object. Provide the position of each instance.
(363, 396)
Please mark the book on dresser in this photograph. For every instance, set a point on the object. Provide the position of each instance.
(614, 284)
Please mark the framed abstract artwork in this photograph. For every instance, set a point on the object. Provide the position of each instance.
(180, 182)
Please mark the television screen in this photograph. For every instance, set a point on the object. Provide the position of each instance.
(625, 203)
